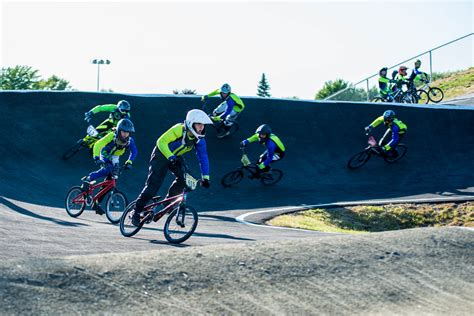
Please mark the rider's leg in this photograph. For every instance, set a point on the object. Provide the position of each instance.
(220, 108)
(179, 183)
(386, 137)
(156, 175)
(105, 126)
(231, 118)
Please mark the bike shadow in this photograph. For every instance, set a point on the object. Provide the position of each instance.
(26, 212)
(195, 234)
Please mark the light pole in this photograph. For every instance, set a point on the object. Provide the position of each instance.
(99, 62)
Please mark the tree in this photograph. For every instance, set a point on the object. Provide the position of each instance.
(27, 78)
(52, 83)
(184, 91)
(331, 87)
(351, 94)
(263, 87)
(18, 78)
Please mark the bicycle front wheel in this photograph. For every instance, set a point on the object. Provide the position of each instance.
(271, 177)
(422, 96)
(115, 206)
(126, 226)
(75, 201)
(180, 224)
(436, 95)
(71, 151)
(358, 160)
(232, 178)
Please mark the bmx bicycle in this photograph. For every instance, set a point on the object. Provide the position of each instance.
(269, 177)
(373, 149)
(77, 199)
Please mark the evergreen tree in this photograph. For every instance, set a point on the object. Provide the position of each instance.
(263, 87)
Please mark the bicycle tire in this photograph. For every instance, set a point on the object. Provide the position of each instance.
(232, 178)
(111, 209)
(71, 194)
(273, 176)
(71, 151)
(423, 97)
(377, 99)
(358, 160)
(436, 95)
(407, 98)
(401, 152)
(190, 216)
(223, 132)
(127, 229)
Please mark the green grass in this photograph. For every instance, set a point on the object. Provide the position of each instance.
(456, 83)
(369, 218)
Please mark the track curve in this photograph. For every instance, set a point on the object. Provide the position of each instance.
(319, 136)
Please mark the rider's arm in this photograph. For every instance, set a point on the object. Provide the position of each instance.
(238, 101)
(215, 92)
(103, 108)
(168, 137)
(133, 150)
(101, 143)
(395, 137)
(376, 122)
(251, 139)
(201, 152)
(271, 146)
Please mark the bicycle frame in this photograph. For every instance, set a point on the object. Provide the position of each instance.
(177, 200)
(373, 146)
(105, 186)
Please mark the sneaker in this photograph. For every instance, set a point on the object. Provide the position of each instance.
(98, 209)
(136, 218)
(85, 185)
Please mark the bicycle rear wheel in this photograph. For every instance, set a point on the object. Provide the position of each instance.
(398, 154)
(232, 178)
(115, 206)
(422, 96)
(358, 160)
(436, 95)
(126, 227)
(75, 202)
(73, 149)
(271, 177)
(180, 224)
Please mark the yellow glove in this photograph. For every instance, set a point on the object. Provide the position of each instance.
(216, 118)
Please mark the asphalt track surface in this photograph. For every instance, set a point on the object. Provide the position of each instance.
(319, 136)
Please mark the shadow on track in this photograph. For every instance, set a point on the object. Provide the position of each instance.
(26, 212)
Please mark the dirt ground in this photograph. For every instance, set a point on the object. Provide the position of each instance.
(418, 271)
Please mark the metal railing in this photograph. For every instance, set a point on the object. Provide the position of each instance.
(351, 86)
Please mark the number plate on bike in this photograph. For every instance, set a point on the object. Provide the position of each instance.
(191, 182)
(245, 160)
(372, 141)
(91, 131)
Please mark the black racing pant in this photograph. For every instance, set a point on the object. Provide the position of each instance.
(159, 166)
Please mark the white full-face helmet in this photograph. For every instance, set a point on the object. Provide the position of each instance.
(196, 116)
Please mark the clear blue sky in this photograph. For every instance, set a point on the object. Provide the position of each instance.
(158, 46)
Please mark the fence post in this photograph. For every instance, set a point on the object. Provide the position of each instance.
(431, 67)
(368, 98)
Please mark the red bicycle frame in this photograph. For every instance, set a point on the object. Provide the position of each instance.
(177, 199)
(105, 186)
